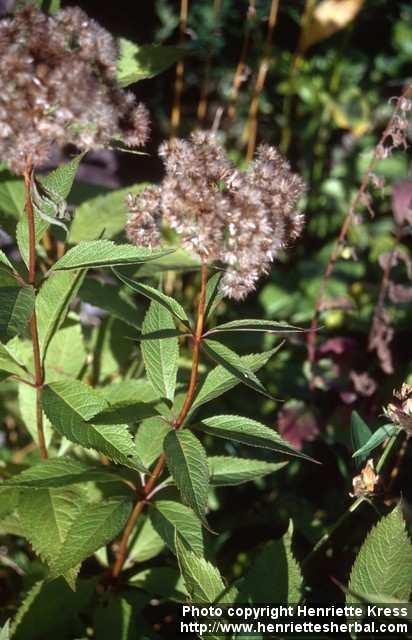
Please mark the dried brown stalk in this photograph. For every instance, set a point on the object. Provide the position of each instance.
(252, 123)
(241, 65)
(204, 92)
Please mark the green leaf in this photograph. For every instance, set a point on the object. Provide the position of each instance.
(259, 585)
(104, 253)
(203, 581)
(9, 363)
(5, 631)
(108, 298)
(149, 439)
(360, 432)
(213, 294)
(384, 562)
(5, 261)
(11, 194)
(168, 516)
(16, 309)
(129, 401)
(219, 380)
(187, 462)
(268, 326)
(147, 545)
(234, 364)
(69, 404)
(249, 432)
(377, 437)
(66, 354)
(59, 181)
(60, 472)
(94, 526)
(145, 61)
(155, 295)
(110, 221)
(230, 471)
(165, 582)
(117, 616)
(52, 303)
(46, 516)
(160, 356)
(27, 409)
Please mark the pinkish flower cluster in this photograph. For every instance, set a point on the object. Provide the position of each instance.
(240, 219)
(58, 85)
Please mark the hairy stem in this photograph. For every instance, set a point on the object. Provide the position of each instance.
(38, 367)
(121, 554)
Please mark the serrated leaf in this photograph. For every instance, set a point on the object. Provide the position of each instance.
(384, 562)
(249, 432)
(128, 401)
(145, 61)
(160, 356)
(9, 363)
(267, 326)
(60, 472)
(60, 181)
(109, 299)
(66, 354)
(11, 194)
(46, 516)
(360, 432)
(16, 309)
(172, 305)
(94, 526)
(9, 498)
(275, 559)
(187, 462)
(168, 516)
(104, 253)
(147, 545)
(52, 303)
(69, 404)
(233, 363)
(377, 437)
(219, 380)
(149, 439)
(27, 409)
(203, 581)
(230, 471)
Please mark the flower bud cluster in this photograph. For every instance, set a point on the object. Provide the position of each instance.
(58, 85)
(239, 219)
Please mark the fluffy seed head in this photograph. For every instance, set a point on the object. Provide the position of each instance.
(240, 219)
(58, 79)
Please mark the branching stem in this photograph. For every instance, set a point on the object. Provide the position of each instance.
(149, 486)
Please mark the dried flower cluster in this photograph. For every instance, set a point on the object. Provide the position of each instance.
(240, 219)
(58, 81)
(400, 412)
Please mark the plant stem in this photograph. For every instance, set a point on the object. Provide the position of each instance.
(180, 68)
(121, 554)
(241, 65)
(38, 367)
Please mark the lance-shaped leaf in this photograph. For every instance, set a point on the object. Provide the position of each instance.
(249, 432)
(5, 262)
(46, 516)
(213, 294)
(384, 562)
(104, 253)
(145, 61)
(69, 404)
(203, 581)
(16, 309)
(149, 439)
(11, 194)
(60, 472)
(187, 462)
(234, 364)
(229, 471)
(377, 437)
(9, 363)
(267, 326)
(60, 182)
(52, 303)
(172, 305)
(360, 433)
(220, 380)
(66, 354)
(160, 355)
(108, 298)
(94, 526)
(168, 516)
